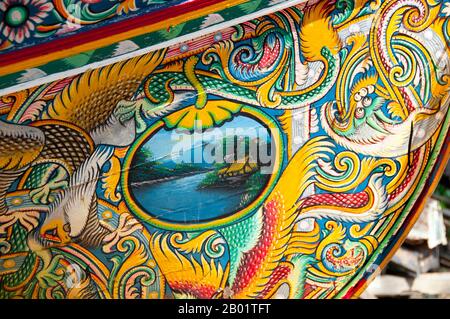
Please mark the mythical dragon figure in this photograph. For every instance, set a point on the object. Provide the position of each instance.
(391, 118)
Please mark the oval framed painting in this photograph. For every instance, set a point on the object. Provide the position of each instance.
(285, 154)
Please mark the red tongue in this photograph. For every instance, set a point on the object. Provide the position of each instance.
(270, 55)
(52, 236)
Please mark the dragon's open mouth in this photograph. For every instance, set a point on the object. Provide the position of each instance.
(384, 123)
(52, 235)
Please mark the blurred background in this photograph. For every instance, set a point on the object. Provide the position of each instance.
(421, 266)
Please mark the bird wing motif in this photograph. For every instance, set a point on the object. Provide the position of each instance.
(90, 99)
(20, 145)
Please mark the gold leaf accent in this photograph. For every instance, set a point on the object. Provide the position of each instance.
(111, 180)
(213, 114)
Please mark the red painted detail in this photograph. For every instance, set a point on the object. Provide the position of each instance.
(281, 272)
(253, 259)
(200, 291)
(269, 57)
(337, 199)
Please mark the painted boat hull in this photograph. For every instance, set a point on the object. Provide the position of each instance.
(284, 156)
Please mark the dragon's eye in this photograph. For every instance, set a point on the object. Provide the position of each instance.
(367, 101)
(359, 112)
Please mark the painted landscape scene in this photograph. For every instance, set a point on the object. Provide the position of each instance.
(195, 177)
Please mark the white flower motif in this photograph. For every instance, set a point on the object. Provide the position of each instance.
(446, 10)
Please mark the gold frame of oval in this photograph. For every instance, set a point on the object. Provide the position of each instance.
(262, 118)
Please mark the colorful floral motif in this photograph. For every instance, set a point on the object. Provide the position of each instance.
(25, 22)
(357, 123)
(19, 19)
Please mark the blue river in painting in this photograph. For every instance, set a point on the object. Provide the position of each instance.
(180, 200)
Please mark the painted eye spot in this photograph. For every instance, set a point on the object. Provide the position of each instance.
(359, 113)
(367, 101)
(107, 214)
(9, 263)
(66, 228)
(16, 201)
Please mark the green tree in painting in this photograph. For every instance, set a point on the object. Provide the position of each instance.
(146, 168)
(144, 157)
